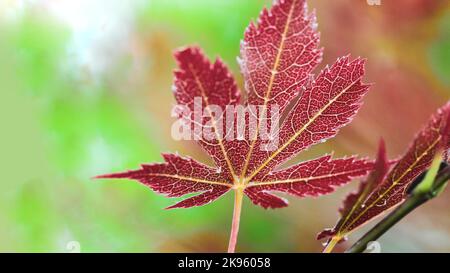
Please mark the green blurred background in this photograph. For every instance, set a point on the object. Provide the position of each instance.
(85, 89)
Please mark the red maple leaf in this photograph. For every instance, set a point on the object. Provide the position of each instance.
(386, 188)
(278, 56)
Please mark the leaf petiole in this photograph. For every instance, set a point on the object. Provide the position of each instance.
(331, 244)
(238, 196)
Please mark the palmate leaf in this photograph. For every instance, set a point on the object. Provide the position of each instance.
(384, 188)
(277, 58)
